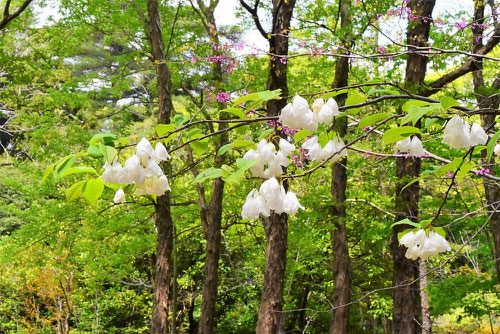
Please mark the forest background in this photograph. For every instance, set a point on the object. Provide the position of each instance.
(82, 79)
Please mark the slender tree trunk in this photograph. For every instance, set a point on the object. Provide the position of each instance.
(276, 226)
(426, 316)
(212, 231)
(492, 191)
(341, 262)
(164, 223)
(406, 299)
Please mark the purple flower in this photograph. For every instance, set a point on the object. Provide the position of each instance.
(461, 25)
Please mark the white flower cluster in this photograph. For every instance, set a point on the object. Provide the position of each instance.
(318, 153)
(413, 146)
(421, 245)
(297, 114)
(268, 157)
(497, 150)
(459, 134)
(142, 169)
(271, 196)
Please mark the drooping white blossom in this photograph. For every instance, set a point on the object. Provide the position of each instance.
(477, 135)
(328, 111)
(161, 153)
(255, 205)
(142, 169)
(297, 114)
(403, 145)
(423, 245)
(144, 150)
(497, 150)
(456, 133)
(291, 203)
(119, 196)
(113, 174)
(269, 162)
(317, 105)
(318, 153)
(416, 147)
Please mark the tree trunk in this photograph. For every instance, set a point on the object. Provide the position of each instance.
(341, 262)
(406, 299)
(212, 231)
(426, 316)
(492, 191)
(164, 223)
(276, 226)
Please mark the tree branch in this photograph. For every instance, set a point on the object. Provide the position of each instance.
(9, 17)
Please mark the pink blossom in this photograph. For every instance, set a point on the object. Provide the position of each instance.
(461, 25)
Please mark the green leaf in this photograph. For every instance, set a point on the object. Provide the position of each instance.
(245, 164)
(235, 177)
(323, 139)
(440, 231)
(93, 190)
(491, 145)
(180, 119)
(199, 147)
(95, 152)
(235, 111)
(417, 112)
(80, 169)
(406, 221)
(236, 143)
(448, 102)
(194, 133)
(354, 98)
(396, 134)
(451, 166)
(375, 90)
(101, 136)
(64, 164)
(415, 180)
(265, 133)
(301, 135)
(244, 98)
(75, 191)
(425, 222)
(211, 173)
(108, 152)
(47, 172)
(373, 119)
(408, 104)
(332, 94)
(269, 95)
(464, 169)
(163, 129)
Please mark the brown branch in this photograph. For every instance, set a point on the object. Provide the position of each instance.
(253, 12)
(9, 17)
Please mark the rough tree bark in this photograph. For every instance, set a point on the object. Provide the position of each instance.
(164, 223)
(406, 299)
(276, 226)
(341, 262)
(212, 211)
(424, 294)
(492, 191)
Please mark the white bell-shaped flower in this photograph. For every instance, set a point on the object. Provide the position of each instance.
(161, 153)
(317, 105)
(266, 151)
(412, 252)
(328, 111)
(285, 146)
(408, 239)
(497, 150)
(419, 237)
(254, 206)
(270, 188)
(313, 147)
(328, 151)
(288, 117)
(156, 185)
(134, 169)
(273, 169)
(281, 159)
(439, 242)
(113, 173)
(477, 135)
(403, 145)
(416, 147)
(309, 121)
(291, 203)
(144, 150)
(152, 169)
(119, 196)
(300, 104)
(456, 133)
(427, 249)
